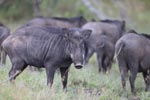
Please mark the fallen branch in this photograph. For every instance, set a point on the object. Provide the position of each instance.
(93, 9)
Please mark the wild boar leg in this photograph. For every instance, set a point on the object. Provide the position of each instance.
(100, 62)
(3, 57)
(146, 77)
(88, 55)
(16, 69)
(50, 75)
(123, 71)
(64, 76)
(133, 70)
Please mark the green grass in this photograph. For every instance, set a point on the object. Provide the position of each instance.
(83, 84)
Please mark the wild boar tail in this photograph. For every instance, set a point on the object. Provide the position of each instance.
(119, 48)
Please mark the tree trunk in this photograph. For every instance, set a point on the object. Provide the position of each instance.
(36, 7)
(92, 9)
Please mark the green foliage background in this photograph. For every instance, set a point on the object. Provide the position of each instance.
(16, 10)
(137, 11)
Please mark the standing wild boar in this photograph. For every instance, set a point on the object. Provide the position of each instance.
(111, 28)
(46, 47)
(104, 48)
(58, 22)
(105, 52)
(133, 54)
(4, 33)
(109, 31)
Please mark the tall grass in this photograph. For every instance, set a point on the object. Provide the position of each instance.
(83, 84)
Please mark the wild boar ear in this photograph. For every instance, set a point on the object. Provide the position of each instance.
(86, 33)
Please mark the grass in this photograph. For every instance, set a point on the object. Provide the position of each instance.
(83, 84)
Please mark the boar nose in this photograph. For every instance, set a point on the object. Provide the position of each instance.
(78, 65)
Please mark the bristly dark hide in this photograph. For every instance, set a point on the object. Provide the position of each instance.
(1, 24)
(132, 31)
(142, 34)
(68, 19)
(145, 35)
